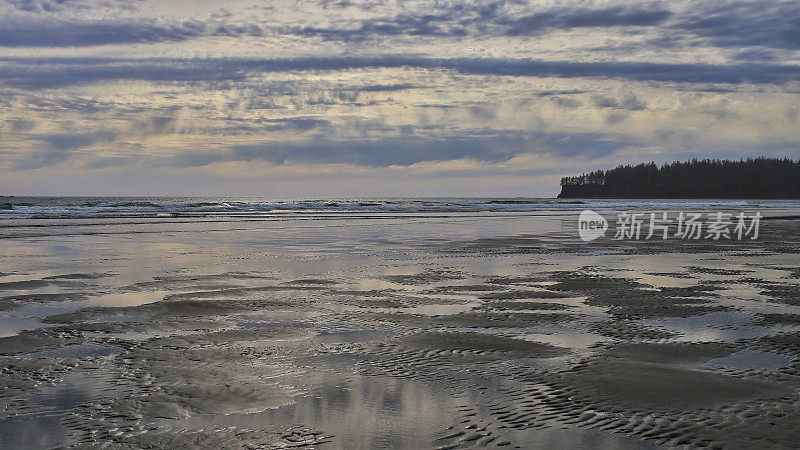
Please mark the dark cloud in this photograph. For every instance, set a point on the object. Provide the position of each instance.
(155, 125)
(38, 73)
(567, 102)
(44, 32)
(627, 101)
(549, 93)
(58, 148)
(108, 162)
(386, 87)
(38, 160)
(462, 19)
(615, 117)
(406, 151)
(47, 33)
(771, 24)
(72, 141)
(44, 73)
(296, 123)
(41, 5)
(723, 23)
(20, 124)
(569, 18)
(53, 6)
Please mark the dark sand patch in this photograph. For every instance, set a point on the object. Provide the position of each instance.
(783, 293)
(151, 325)
(227, 337)
(628, 299)
(222, 372)
(7, 304)
(778, 319)
(681, 275)
(363, 293)
(78, 276)
(173, 308)
(227, 280)
(30, 341)
(499, 320)
(23, 285)
(671, 353)
(523, 294)
(235, 275)
(582, 281)
(217, 438)
(629, 330)
(20, 376)
(430, 276)
(46, 298)
(371, 302)
(643, 305)
(647, 386)
(522, 305)
(517, 280)
(784, 343)
(311, 281)
(717, 271)
(460, 289)
(202, 380)
(478, 345)
(507, 244)
(239, 292)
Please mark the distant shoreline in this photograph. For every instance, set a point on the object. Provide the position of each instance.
(756, 179)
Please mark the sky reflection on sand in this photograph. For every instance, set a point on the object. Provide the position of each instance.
(329, 328)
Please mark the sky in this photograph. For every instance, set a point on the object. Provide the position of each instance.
(329, 98)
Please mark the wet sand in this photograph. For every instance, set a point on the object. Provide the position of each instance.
(446, 331)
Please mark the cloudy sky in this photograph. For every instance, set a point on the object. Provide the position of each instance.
(375, 98)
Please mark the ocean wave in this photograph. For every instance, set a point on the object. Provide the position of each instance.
(47, 207)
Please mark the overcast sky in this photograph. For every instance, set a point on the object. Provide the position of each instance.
(374, 98)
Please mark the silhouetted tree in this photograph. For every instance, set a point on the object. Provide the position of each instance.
(707, 178)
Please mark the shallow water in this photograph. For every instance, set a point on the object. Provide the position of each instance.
(451, 329)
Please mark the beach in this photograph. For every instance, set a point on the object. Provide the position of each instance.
(392, 323)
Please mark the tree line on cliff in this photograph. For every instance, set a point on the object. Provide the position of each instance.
(697, 178)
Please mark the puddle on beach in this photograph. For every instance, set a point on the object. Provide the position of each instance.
(751, 360)
(437, 332)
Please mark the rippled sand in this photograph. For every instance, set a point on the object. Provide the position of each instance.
(450, 330)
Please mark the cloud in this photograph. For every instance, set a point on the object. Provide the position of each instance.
(40, 5)
(154, 125)
(71, 141)
(42, 31)
(629, 101)
(771, 24)
(20, 124)
(482, 19)
(386, 87)
(58, 33)
(569, 18)
(38, 73)
(39, 160)
(59, 148)
(107, 162)
(567, 102)
(296, 123)
(559, 92)
(407, 151)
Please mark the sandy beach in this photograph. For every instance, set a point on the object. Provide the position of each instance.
(376, 329)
